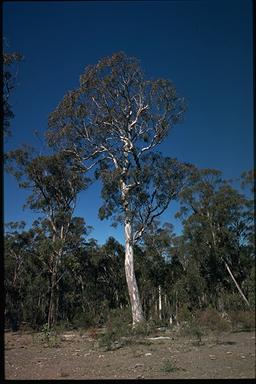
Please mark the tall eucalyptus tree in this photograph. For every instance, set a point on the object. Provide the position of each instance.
(113, 122)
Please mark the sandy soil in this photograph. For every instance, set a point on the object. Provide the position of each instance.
(168, 356)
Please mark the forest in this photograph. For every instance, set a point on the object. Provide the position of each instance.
(108, 130)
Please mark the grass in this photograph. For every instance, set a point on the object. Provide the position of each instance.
(48, 337)
(169, 366)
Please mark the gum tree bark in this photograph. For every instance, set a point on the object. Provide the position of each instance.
(137, 313)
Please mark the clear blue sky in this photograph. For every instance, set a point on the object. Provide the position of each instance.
(204, 47)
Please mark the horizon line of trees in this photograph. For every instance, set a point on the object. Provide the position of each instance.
(176, 275)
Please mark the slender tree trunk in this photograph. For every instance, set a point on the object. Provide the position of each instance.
(54, 294)
(236, 283)
(52, 303)
(176, 308)
(137, 314)
(159, 303)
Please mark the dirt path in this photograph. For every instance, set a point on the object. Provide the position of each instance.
(171, 357)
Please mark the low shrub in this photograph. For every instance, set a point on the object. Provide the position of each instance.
(169, 366)
(48, 337)
(143, 329)
(119, 330)
(194, 330)
(232, 301)
(211, 319)
(242, 320)
(83, 320)
(184, 314)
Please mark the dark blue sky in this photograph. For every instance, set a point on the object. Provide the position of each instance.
(204, 47)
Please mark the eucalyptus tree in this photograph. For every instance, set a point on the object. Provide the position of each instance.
(216, 216)
(157, 245)
(17, 243)
(113, 122)
(9, 76)
(54, 185)
(113, 262)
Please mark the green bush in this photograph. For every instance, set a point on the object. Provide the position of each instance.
(194, 330)
(143, 329)
(118, 330)
(169, 366)
(205, 321)
(83, 320)
(184, 314)
(48, 337)
(233, 302)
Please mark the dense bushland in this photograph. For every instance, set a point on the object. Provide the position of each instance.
(179, 277)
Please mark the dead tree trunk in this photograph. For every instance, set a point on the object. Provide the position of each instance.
(236, 283)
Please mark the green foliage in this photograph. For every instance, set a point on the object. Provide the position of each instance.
(203, 323)
(9, 77)
(120, 332)
(194, 330)
(217, 222)
(184, 314)
(169, 366)
(232, 302)
(143, 329)
(49, 337)
(250, 287)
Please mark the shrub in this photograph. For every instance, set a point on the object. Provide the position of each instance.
(242, 320)
(193, 329)
(143, 329)
(83, 320)
(48, 337)
(184, 314)
(93, 333)
(212, 320)
(118, 330)
(232, 302)
(169, 366)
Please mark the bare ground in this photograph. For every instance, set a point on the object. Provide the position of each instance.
(168, 356)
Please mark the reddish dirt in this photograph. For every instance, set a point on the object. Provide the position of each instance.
(78, 356)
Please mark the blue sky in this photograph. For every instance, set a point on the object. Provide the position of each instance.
(204, 47)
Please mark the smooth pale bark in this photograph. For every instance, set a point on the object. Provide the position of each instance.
(236, 283)
(54, 288)
(137, 313)
(159, 303)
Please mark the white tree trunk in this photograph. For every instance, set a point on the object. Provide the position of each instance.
(137, 314)
(159, 303)
(236, 283)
